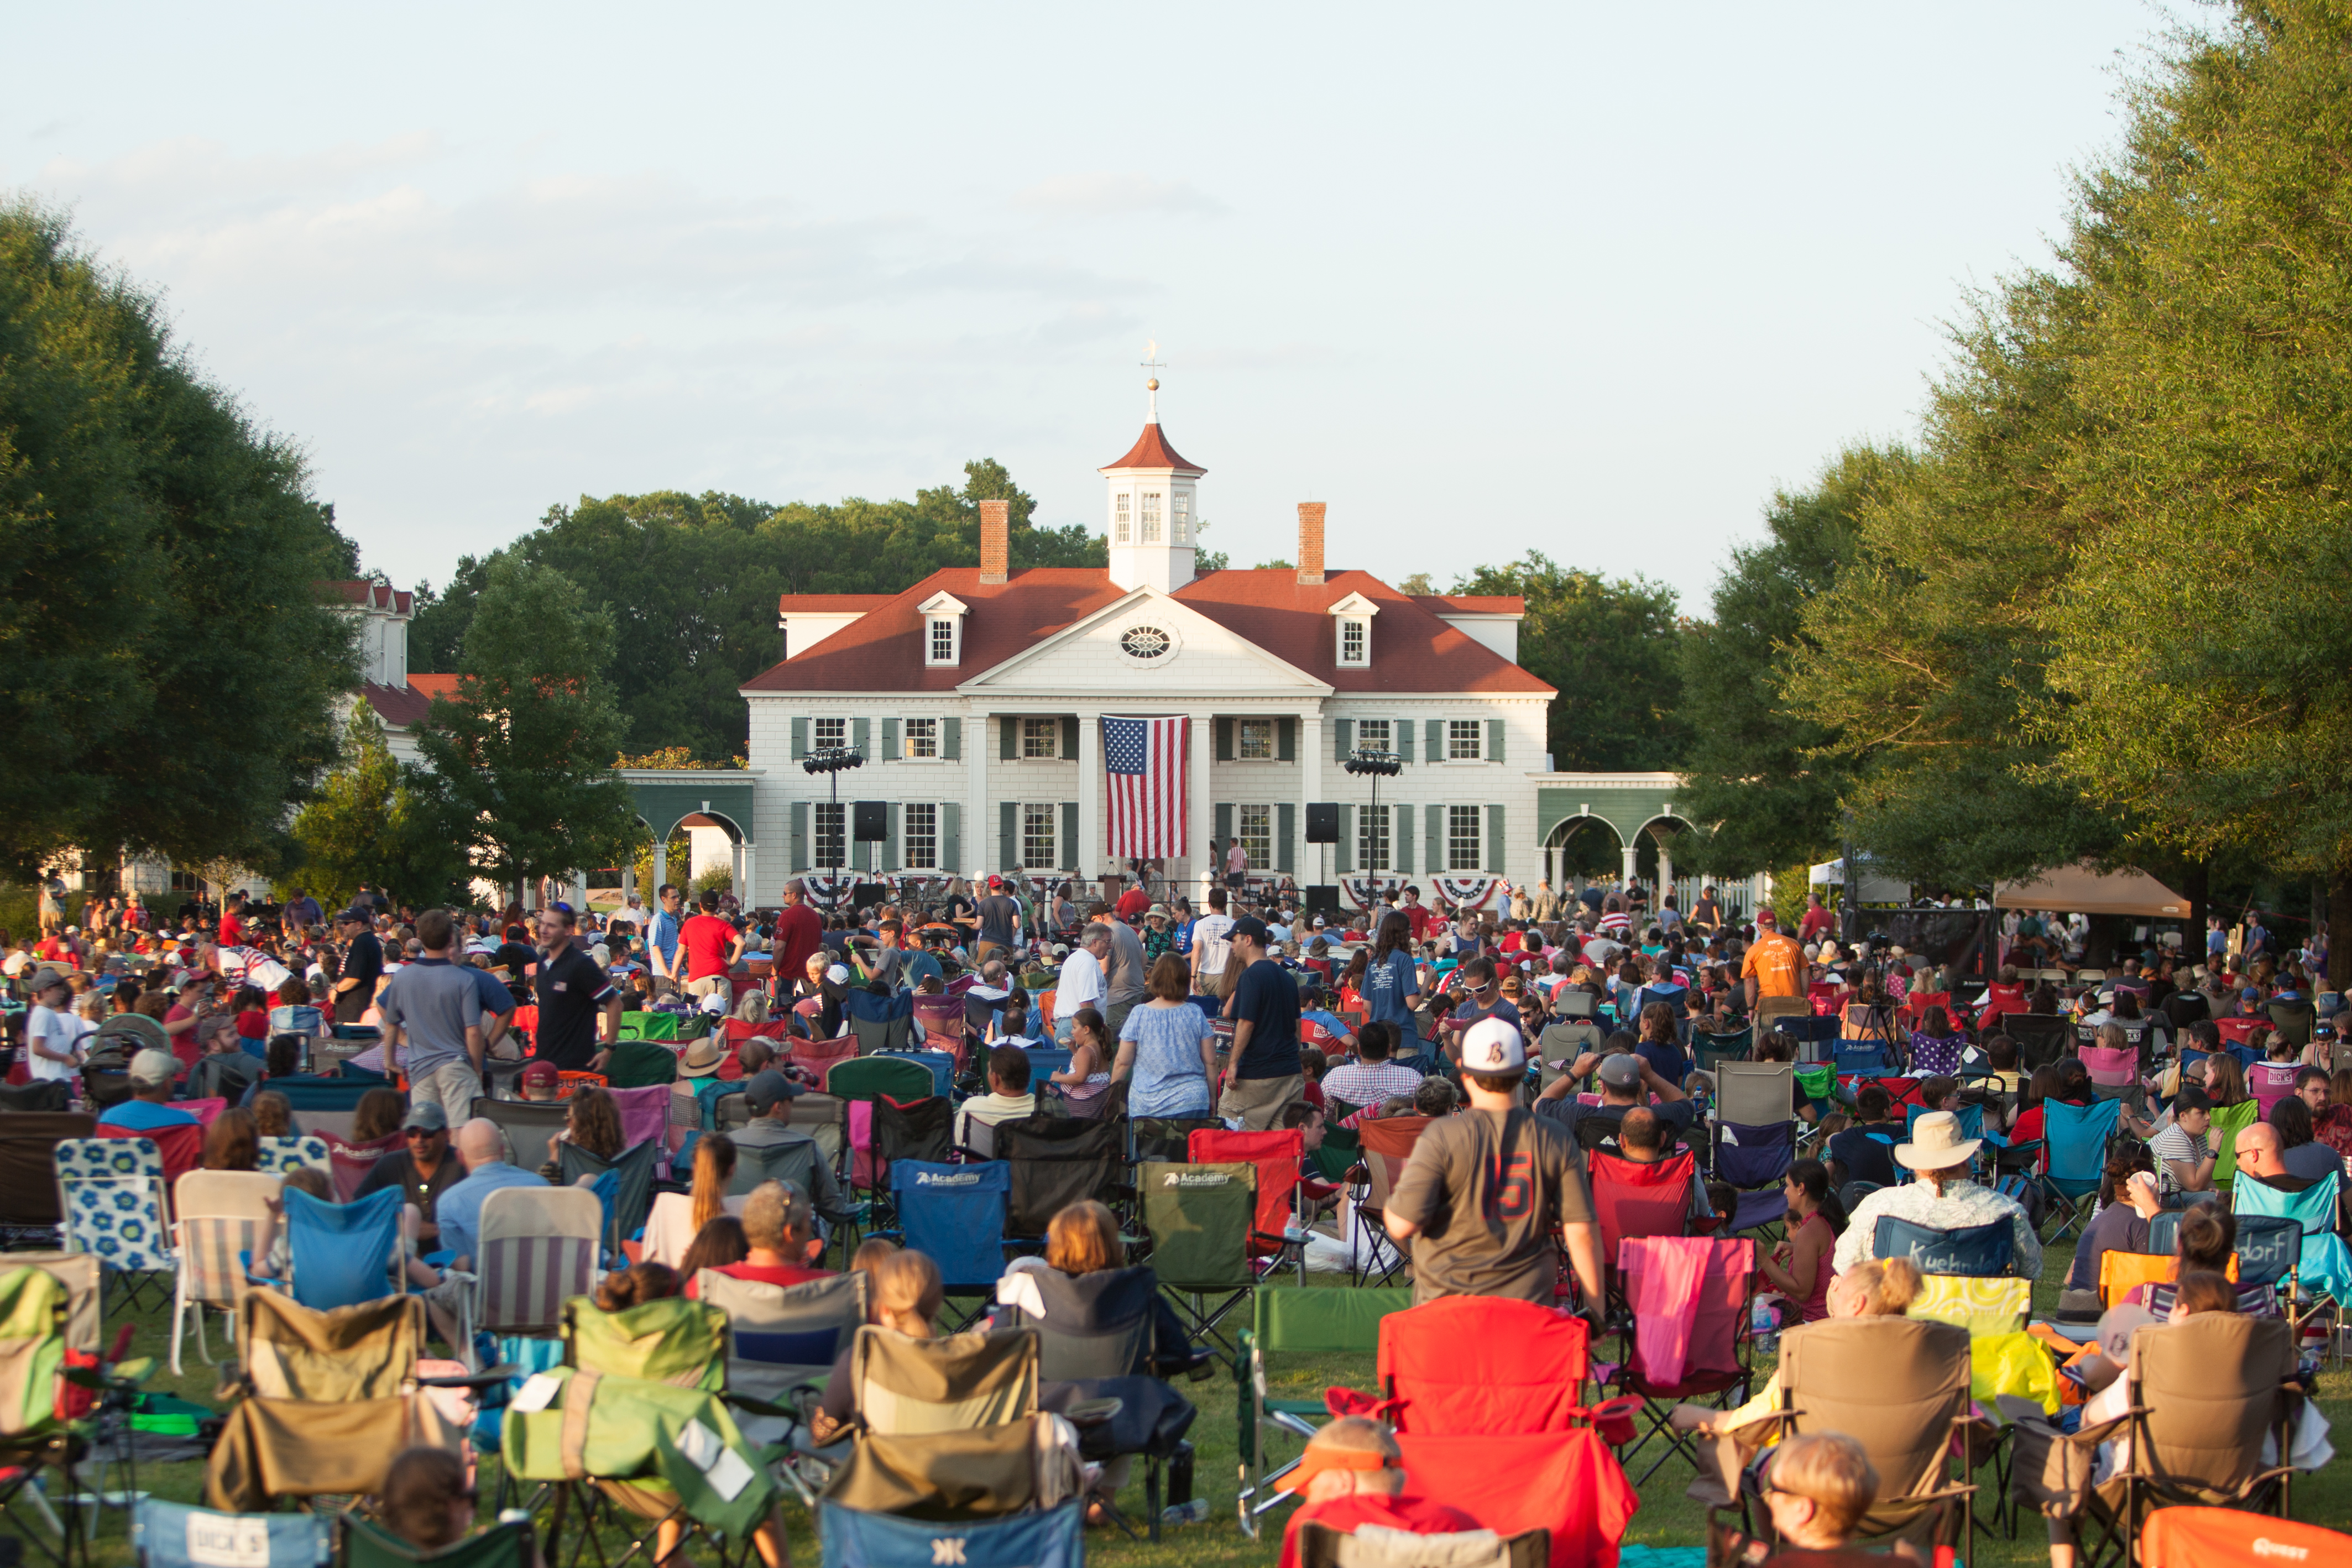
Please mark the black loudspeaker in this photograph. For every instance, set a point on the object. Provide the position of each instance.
(1323, 898)
(868, 895)
(1322, 822)
(870, 821)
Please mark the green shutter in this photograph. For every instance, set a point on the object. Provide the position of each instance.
(890, 819)
(1401, 739)
(1008, 835)
(1400, 838)
(1347, 840)
(950, 837)
(1496, 850)
(1286, 739)
(1343, 738)
(1224, 834)
(800, 738)
(951, 739)
(800, 831)
(889, 739)
(1494, 740)
(1433, 736)
(1008, 737)
(1224, 740)
(1070, 857)
(1435, 846)
(1070, 739)
(860, 732)
(1286, 836)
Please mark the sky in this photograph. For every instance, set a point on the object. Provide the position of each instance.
(1593, 280)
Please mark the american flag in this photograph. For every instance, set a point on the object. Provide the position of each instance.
(1146, 762)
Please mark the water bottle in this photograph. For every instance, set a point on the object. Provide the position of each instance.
(1193, 1512)
(1760, 1326)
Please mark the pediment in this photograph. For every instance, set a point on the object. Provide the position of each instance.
(1107, 653)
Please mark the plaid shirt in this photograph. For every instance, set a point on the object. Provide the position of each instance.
(1369, 1083)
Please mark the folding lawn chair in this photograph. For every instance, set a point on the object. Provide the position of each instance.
(509, 1543)
(1031, 1538)
(1308, 1321)
(783, 1338)
(2295, 1021)
(176, 1535)
(2269, 1082)
(1165, 1138)
(1278, 1224)
(1567, 1484)
(277, 1156)
(2041, 1038)
(110, 1191)
(1753, 1157)
(1901, 1389)
(1714, 1354)
(530, 1127)
(1985, 1305)
(944, 1027)
(538, 1251)
(1982, 1251)
(922, 1130)
(954, 1215)
(2076, 1136)
(1201, 1218)
(1320, 1546)
(938, 1068)
(816, 1058)
(879, 1023)
(1631, 1197)
(1468, 1364)
(222, 1215)
(1054, 1162)
(34, 1437)
(1710, 1050)
(867, 1076)
(2186, 1537)
(1388, 1145)
(2320, 1279)
(341, 1254)
(671, 1340)
(349, 1165)
(633, 1194)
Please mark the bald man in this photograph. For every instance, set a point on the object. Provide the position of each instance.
(482, 1149)
(1353, 1474)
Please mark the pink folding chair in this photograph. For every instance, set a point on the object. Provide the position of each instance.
(1690, 1298)
(2269, 1082)
(645, 1112)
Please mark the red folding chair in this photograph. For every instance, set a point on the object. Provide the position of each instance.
(1914, 1012)
(1630, 1198)
(182, 1147)
(1276, 1155)
(1565, 1482)
(1388, 1144)
(1473, 1364)
(817, 1057)
(350, 1163)
(2238, 1031)
(1714, 1356)
(945, 1026)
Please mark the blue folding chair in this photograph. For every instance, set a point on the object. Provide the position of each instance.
(1854, 1061)
(880, 1023)
(2164, 1231)
(1753, 1159)
(954, 1215)
(1971, 1119)
(2076, 1136)
(1978, 1251)
(342, 1252)
(2325, 1267)
(1051, 1538)
(175, 1535)
(633, 1188)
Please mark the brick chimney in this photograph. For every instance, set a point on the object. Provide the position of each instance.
(996, 541)
(1310, 543)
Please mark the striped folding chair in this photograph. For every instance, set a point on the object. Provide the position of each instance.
(538, 1251)
(222, 1215)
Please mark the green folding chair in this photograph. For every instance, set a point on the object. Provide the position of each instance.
(1200, 1218)
(1308, 1320)
(867, 1078)
(640, 1063)
(648, 1025)
(367, 1544)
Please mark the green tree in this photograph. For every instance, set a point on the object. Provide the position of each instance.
(511, 754)
(1611, 649)
(1764, 780)
(167, 665)
(367, 824)
(1418, 583)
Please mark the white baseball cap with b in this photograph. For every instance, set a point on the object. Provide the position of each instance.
(1493, 1046)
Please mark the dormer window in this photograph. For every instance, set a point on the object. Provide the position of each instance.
(1351, 632)
(942, 631)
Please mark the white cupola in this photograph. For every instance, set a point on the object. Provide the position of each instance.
(1153, 509)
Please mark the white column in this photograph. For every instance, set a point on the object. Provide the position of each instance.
(1086, 853)
(1665, 876)
(1313, 858)
(735, 866)
(979, 744)
(1629, 864)
(747, 884)
(1198, 812)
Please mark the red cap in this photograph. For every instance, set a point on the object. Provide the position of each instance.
(539, 1075)
(996, 882)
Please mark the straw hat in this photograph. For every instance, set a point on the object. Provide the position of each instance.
(702, 1057)
(1936, 1144)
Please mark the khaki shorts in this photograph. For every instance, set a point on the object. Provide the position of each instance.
(711, 985)
(1257, 1102)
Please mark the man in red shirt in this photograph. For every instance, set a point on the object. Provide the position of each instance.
(1353, 1475)
(1416, 915)
(232, 926)
(1817, 921)
(1133, 902)
(780, 1225)
(712, 946)
(800, 930)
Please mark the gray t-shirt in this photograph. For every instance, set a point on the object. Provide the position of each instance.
(1487, 1190)
(436, 1002)
(1127, 968)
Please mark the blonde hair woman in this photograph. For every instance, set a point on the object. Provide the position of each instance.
(1882, 1288)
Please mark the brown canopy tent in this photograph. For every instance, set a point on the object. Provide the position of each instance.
(2081, 889)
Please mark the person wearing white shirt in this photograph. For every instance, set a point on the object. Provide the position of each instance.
(51, 1030)
(1081, 981)
(1212, 945)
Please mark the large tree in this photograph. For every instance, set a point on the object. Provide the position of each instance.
(368, 825)
(517, 757)
(1767, 782)
(167, 665)
(1610, 648)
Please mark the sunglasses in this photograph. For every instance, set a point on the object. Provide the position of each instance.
(426, 1132)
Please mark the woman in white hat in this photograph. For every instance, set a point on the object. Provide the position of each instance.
(1944, 1197)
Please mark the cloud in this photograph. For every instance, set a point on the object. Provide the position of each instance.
(1110, 196)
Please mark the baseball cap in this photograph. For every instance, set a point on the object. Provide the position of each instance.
(1621, 1071)
(1493, 1046)
(541, 1075)
(768, 1088)
(424, 1116)
(1251, 927)
(154, 1067)
(838, 975)
(996, 882)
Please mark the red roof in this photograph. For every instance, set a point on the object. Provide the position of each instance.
(831, 604)
(1471, 604)
(1151, 450)
(437, 685)
(1412, 650)
(372, 596)
(400, 707)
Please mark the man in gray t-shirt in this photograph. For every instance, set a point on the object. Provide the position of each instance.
(1123, 983)
(432, 1012)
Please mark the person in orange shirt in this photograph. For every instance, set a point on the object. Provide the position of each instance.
(1775, 965)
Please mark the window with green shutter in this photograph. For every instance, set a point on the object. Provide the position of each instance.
(1343, 738)
(951, 739)
(800, 835)
(1286, 739)
(1494, 740)
(1008, 834)
(800, 738)
(951, 838)
(889, 739)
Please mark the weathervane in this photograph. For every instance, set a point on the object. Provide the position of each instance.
(1151, 362)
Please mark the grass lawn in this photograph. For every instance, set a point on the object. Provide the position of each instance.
(1667, 1519)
